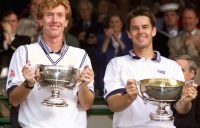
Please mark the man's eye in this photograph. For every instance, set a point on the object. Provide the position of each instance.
(134, 29)
(60, 15)
(145, 27)
(49, 14)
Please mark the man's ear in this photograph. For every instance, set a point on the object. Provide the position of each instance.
(66, 23)
(192, 74)
(154, 31)
(129, 34)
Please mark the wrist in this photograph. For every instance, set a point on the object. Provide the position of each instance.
(83, 85)
(28, 84)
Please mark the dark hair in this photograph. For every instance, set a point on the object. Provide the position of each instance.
(191, 7)
(140, 11)
(110, 15)
(1, 34)
(8, 13)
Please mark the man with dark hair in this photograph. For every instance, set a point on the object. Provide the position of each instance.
(121, 91)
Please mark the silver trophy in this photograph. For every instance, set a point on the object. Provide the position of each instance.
(162, 92)
(57, 78)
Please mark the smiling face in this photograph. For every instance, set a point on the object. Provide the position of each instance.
(189, 20)
(115, 23)
(12, 20)
(54, 22)
(141, 32)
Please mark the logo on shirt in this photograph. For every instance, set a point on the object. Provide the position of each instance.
(12, 73)
(161, 71)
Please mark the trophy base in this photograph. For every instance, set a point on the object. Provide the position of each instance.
(52, 101)
(161, 117)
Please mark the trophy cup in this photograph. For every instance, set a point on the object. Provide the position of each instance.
(162, 92)
(57, 78)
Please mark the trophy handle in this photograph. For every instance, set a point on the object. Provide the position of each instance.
(37, 76)
(37, 83)
(142, 90)
(188, 84)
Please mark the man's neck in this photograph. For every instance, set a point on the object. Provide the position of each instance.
(172, 28)
(144, 53)
(55, 44)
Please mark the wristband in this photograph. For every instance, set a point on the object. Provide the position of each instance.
(26, 85)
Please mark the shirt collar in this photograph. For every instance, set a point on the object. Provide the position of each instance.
(193, 32)
(47, 49)
(156, 58)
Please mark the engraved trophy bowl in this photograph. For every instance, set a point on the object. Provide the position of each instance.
(57, 78)
(163, 92)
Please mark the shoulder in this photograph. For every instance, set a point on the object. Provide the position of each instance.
(120, 60)
(32, 46)
(176, 39)
(24, 38)
(169, 62)
(162, 34)
(25, 21)
(76, 50)
(198, 31)
(72, 48)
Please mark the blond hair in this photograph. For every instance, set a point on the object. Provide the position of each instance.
(50, 4)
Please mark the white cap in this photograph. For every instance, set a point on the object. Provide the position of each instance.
(169, 7)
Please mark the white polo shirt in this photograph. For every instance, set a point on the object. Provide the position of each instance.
(32, 114)
(120, 69)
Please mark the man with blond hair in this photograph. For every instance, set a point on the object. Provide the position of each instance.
(51, 49)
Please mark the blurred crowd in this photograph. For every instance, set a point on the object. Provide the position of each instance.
(99, 28)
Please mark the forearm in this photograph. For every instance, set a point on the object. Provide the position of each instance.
(119, 102)
(105, 44)
(183, 107)
(18, 95)
(191, 119)
(121, 44)
(85, 96)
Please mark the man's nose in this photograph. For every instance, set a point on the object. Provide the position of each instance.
(140, 30)
(55, 18)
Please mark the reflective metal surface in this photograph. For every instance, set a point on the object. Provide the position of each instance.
(57, 78)
(162, 91)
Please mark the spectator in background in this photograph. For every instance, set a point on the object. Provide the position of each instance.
(11, 40)
(70, 38)
(29, 26)
(102, 10)
(85, 28)
(112, 43)
(188, 40)
(170, 19)
(124, 6)
(191, 119)
(160, 43)
(160, 40)
(10, 43)
(155, 7)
